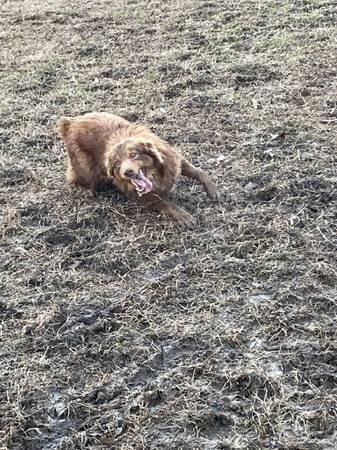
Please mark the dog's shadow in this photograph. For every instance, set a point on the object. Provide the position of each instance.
(107, 189)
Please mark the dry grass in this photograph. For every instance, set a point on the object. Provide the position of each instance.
(120, 332)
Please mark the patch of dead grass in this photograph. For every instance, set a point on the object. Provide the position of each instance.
(120, 331)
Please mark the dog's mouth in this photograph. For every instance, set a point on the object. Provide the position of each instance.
(141, 184)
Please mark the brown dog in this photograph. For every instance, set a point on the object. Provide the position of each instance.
(143, 166)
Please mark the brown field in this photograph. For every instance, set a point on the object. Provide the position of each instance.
(120, 331)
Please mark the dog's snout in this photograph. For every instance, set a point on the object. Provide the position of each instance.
(129, 173)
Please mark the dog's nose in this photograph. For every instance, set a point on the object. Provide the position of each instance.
(129, 173)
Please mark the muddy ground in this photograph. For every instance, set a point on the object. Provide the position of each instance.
(118, 330)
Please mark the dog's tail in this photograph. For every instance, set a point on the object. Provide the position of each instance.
(63, 126)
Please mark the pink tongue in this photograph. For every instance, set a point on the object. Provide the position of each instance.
(143, 184)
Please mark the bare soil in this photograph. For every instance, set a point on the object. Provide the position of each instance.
(120, 331)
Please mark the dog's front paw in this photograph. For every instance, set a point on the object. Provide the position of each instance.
(185, 220)
(212, 191)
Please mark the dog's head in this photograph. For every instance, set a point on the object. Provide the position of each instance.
(135, 161)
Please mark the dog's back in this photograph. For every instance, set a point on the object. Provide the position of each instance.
(90, 132)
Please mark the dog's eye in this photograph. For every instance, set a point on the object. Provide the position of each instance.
(134, 155)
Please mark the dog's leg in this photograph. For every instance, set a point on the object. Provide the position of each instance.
(188, 170)
(182, 217)
(80, 173)
(179, 215)
(77, 180)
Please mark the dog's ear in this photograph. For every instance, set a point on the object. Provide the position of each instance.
(150, 150)
(110, 172)
(110, 164)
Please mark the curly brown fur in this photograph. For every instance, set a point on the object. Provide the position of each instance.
(140, 164)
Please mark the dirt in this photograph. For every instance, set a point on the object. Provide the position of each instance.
(120, 331)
